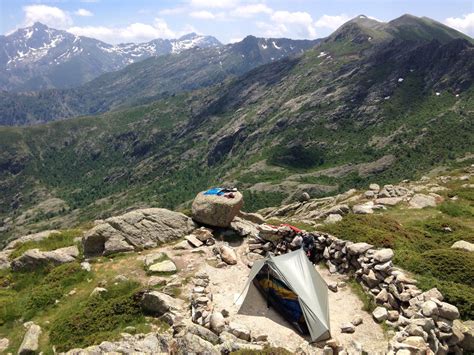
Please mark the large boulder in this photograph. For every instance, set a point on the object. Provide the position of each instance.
(217, 211)
(35, 258)
(136, 230)
(158, 303)
(421, 201)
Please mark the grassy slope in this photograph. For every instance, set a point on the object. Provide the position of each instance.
(422, 242)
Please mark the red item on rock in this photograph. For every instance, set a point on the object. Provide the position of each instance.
(293, 228)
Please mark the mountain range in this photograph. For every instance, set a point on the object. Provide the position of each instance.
(149, 79)
(387, 100)
(40, 57)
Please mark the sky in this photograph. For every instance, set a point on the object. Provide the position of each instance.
(118, 21)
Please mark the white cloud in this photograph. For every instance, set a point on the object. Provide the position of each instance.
(135, 32)
(48, 15)
(90, 1)
(248, 11)
(83, 12)
(202, 15)
(272, 29)
(464, 24)
(222, 4)
(331, 22)
(172, 11)
(299, 23)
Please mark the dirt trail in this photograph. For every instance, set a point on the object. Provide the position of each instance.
(344, 305)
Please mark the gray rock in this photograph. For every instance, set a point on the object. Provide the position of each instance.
(382, 296)
(203, 333)
(30, 343)
(448, 311)
(136, 230)
(467, 328)
(193, 240)
(4, 344)
(374, 187)
(369, 194)
(34, 258)
(393, 316)
(358, 248)
(194, 344)
(203, 234)
(347, 328)
(152, 258)
(239, 330)
(419, 201)
(333, 218)
(357, 320)
(159, 303)
(217, 322)
(429, 308)
(165, 266)
(365, 208)
(215, 210)
(417, 343)
(98, 291)
(304, 197)
(252, 217)
(383, 255)
(332, 285)
(228, 254)
(244, 228)
(380, 314)
(389, 201)
(463, 245)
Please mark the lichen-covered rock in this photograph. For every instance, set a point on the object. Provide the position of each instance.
(358, 248)
(421, 201)
(136, 230)
(159, 303)
(34, 258)
(217, 322)
(30, 343)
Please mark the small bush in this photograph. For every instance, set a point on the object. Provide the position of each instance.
(456, 209)
(378, 230)
(53, 287)
(268, 350)
(54, 241)
(367, 300)
(445, 264)
(98, 318)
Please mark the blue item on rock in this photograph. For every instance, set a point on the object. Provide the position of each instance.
(214, 191)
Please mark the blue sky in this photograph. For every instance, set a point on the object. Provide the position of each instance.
(117, 21)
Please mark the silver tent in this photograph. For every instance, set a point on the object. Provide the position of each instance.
(300, 276)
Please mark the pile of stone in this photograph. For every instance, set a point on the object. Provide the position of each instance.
(215, 327)
(201, 236)
(422, 320)
(201, 300)
(275, 239)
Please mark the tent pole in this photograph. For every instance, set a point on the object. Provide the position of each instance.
(268, 285)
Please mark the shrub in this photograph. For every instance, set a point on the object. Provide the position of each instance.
(53, 286)
(445, 264)
(456, 209)
(98, 318)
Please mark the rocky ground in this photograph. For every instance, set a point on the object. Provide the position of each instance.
(190, 278)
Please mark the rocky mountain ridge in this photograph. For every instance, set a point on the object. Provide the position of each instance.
(39, 57)
(148, 80)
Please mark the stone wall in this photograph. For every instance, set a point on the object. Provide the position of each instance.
(421, 320)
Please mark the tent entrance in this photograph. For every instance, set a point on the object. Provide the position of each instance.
(281, 297)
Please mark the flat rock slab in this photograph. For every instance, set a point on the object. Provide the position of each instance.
(193, 240)
(163, 266)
